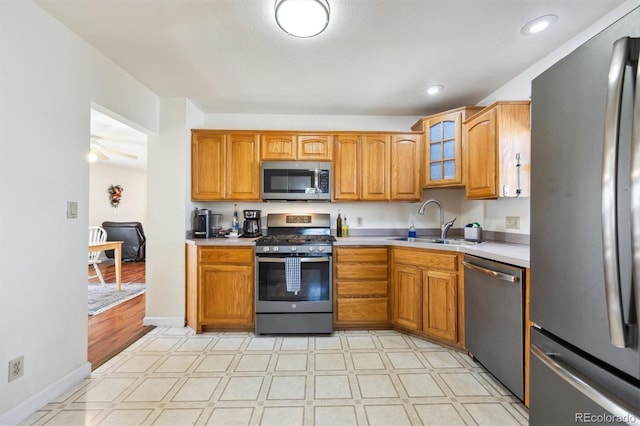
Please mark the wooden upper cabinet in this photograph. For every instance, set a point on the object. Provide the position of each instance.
(295, 146)
(207, 166)
(498, 151)
(224, 166)
(482, 180)
(377, 167)
(346, 167)
(242, 167)
(444, 147)
(405, 167)
(315, 147)
(278, 147)
(375, 160)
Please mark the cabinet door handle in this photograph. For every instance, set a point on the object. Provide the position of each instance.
(491, 272)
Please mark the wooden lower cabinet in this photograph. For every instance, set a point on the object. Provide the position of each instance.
(220, 287)
(439, 301)
(427, 294)
(407, 296)
(361, 287)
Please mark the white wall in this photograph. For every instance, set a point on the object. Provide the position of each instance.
(49, 78)
(375, 215)
(309, 122)
(168, 168)
(133, 204)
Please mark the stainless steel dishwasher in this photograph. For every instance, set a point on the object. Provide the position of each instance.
(494, 319)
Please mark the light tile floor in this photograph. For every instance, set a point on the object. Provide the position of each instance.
(175, 377)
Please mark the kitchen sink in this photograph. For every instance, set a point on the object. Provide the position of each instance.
(434, 240)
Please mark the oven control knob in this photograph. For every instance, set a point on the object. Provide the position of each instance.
(265, 248)
(293, 305)
(275, 248)
(312, 248)
(294, 248)
(320, 248)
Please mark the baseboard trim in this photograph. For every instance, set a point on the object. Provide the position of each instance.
(36, 401)
(164, 321)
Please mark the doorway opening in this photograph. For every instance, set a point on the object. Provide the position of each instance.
(117, 203)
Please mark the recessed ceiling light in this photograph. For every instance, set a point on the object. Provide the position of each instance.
(302, 18)
(538, 25)
(433, 89)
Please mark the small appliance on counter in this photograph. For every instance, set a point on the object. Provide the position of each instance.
(252, 225)
(202, 223)
(473, 232)
(216, 225)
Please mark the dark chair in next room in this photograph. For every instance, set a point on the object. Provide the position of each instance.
(133, 240)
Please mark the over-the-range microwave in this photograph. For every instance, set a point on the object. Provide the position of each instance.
(296, 181)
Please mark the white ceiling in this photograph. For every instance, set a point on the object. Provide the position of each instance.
(375, 58)
(116, 137)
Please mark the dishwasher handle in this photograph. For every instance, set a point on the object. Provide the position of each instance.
(491, 272)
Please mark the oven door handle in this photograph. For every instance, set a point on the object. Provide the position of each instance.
(302, 259)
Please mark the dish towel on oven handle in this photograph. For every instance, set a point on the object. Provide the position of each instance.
(292, 274)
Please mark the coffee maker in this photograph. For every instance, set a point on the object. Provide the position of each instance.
(202, 224)
(252, 227)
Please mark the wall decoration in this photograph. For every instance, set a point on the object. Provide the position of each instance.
(115, 195)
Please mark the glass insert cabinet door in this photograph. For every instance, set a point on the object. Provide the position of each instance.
(442, 150)
(444, 147)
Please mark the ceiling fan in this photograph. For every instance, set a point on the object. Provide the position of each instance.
(99, 151)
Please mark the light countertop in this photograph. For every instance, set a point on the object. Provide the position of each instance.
(514, 254)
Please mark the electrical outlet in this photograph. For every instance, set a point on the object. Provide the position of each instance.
(513, 222)
(359, 220)
(16, 368)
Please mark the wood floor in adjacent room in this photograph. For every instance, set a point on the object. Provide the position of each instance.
(116, 328)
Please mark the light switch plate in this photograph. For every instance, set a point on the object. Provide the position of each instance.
(72, 209)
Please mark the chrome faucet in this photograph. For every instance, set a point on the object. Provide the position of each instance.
(444, 227)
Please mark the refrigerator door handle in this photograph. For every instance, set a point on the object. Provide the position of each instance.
(591, 390)
(609, 193)
(635, 193)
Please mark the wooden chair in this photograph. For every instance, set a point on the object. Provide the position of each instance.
(97, 234)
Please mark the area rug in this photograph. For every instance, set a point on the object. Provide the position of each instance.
(102, 298)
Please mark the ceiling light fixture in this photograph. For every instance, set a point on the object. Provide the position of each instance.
(302, 18)
(539, 24)
(434, 89)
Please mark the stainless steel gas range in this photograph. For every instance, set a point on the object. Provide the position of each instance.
(293, 275)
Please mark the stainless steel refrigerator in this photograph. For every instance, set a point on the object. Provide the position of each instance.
(585, 233)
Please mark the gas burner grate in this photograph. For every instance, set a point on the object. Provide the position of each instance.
(296, 239)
